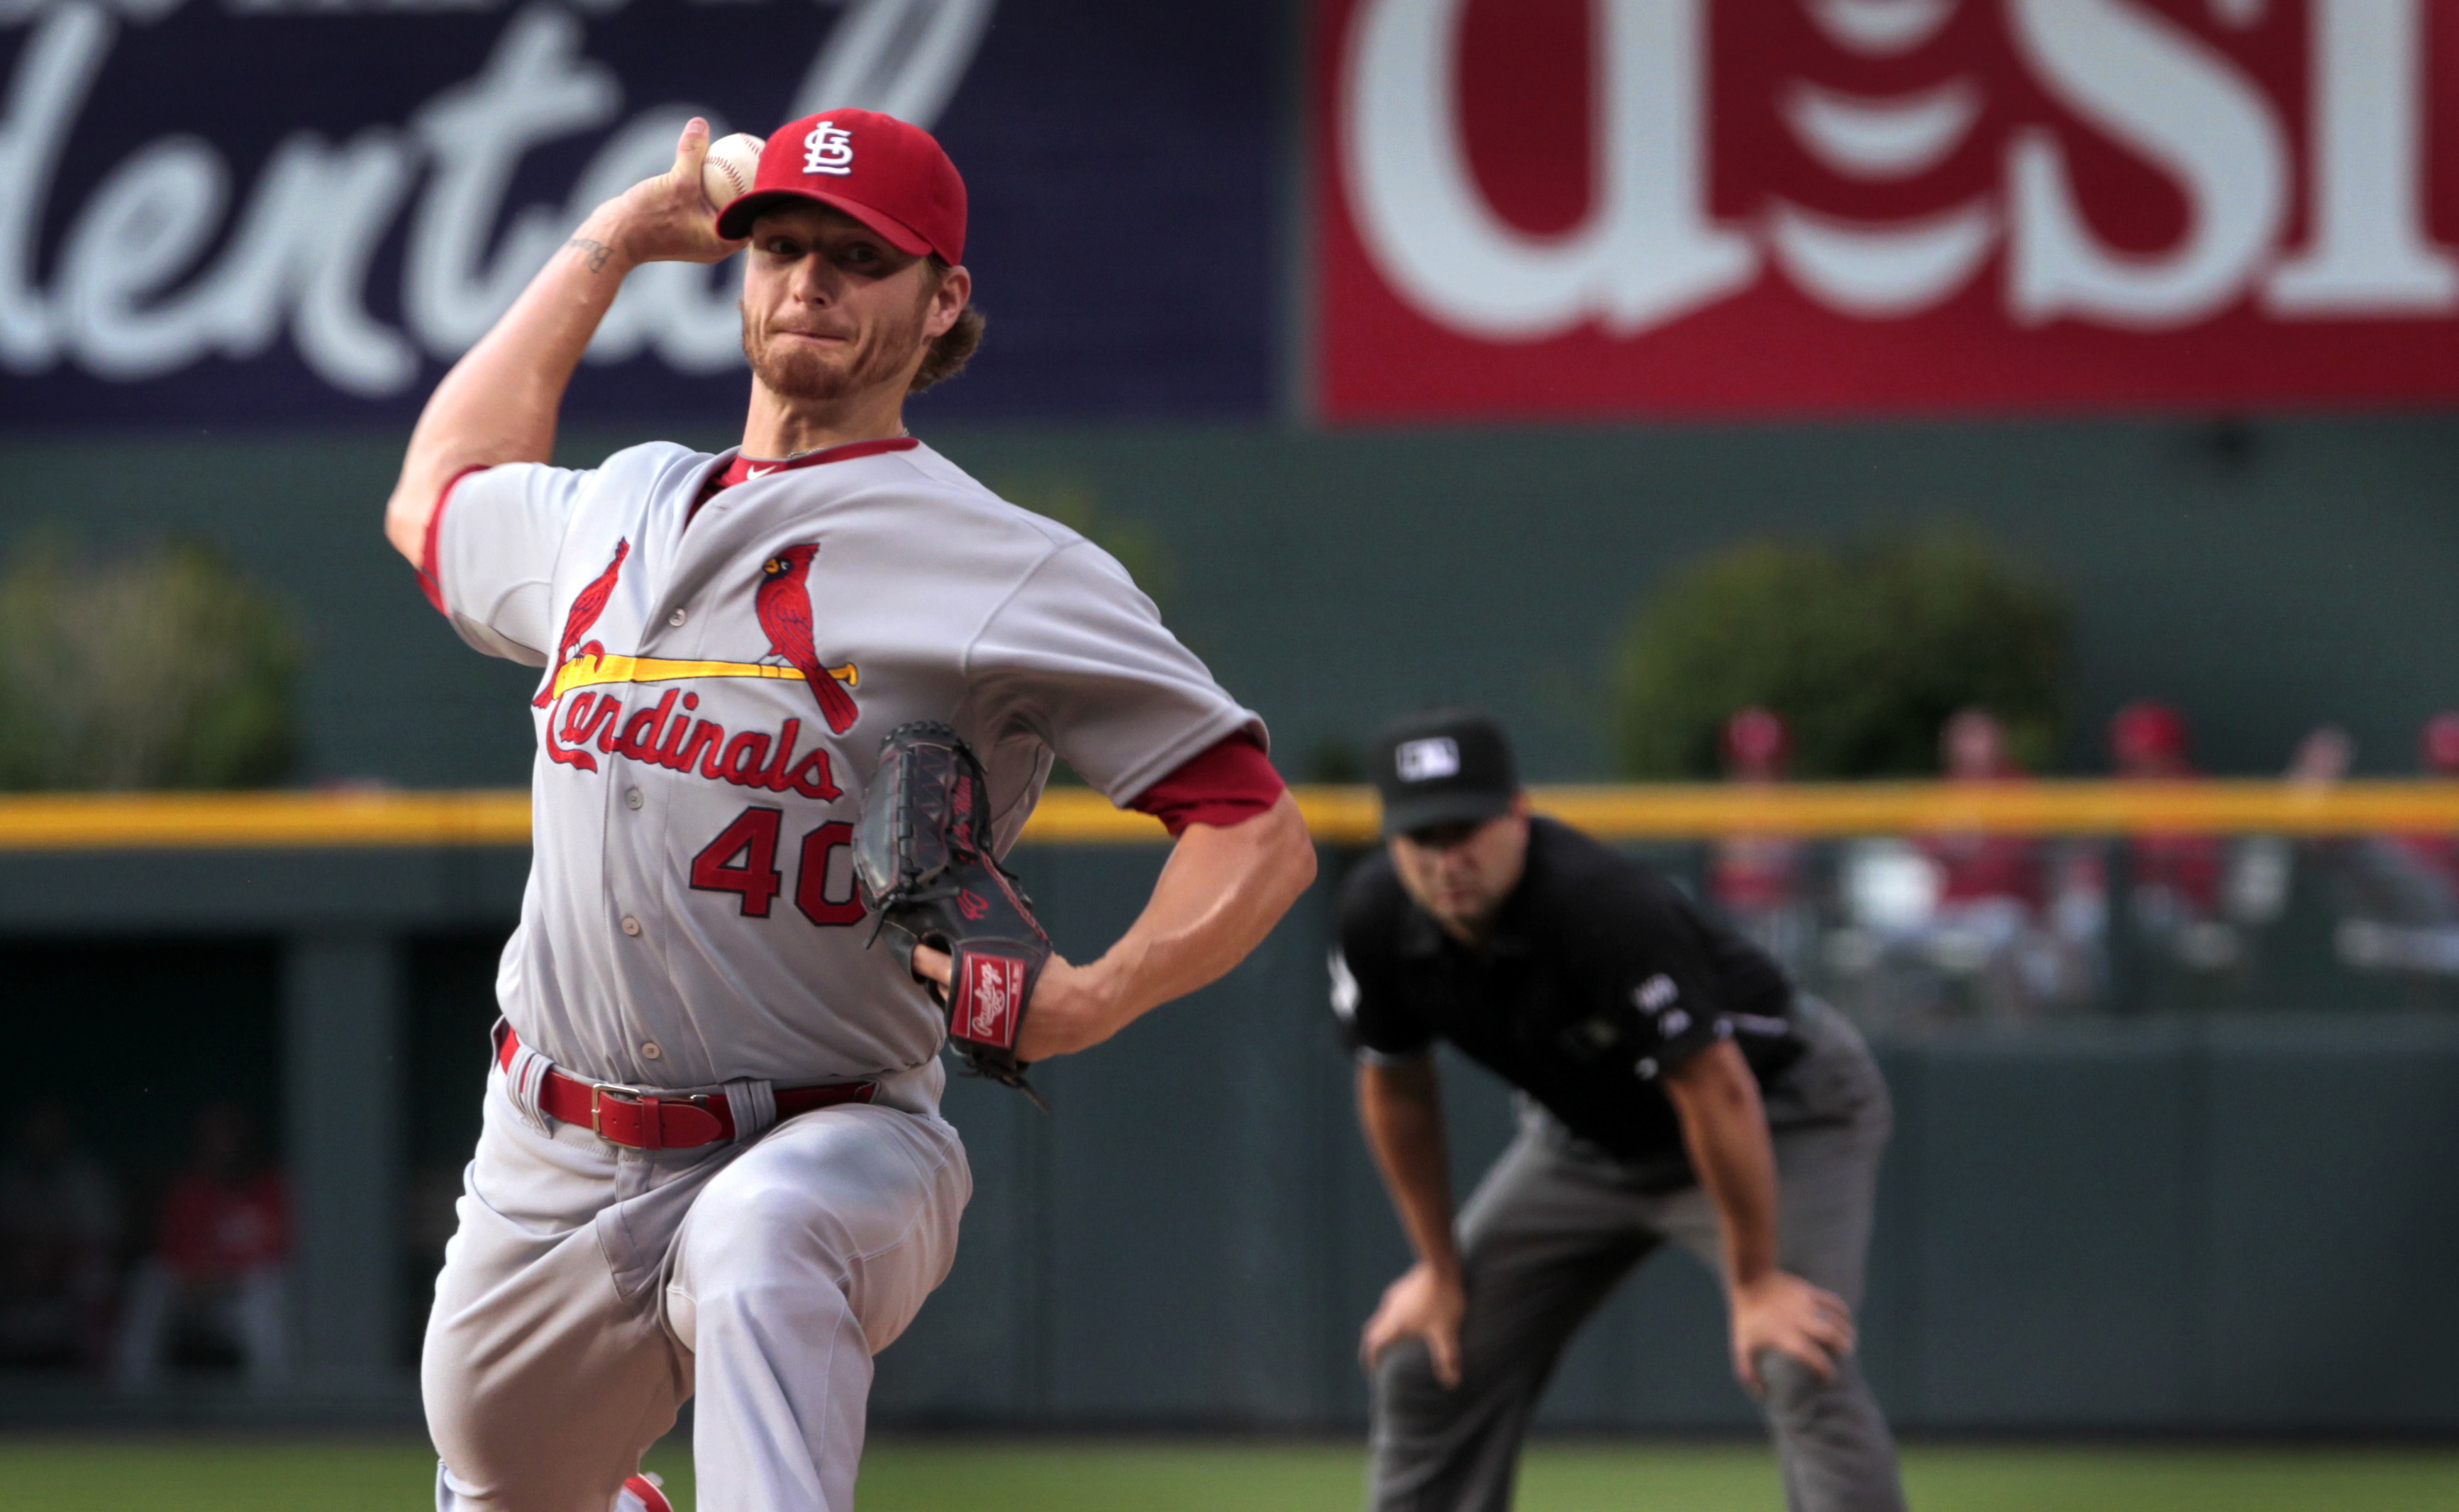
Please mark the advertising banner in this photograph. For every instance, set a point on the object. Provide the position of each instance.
(300, 211)
(1591, 208)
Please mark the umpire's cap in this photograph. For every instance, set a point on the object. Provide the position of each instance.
(1443, 766)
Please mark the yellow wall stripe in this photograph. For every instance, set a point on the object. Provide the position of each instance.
(2039, 808)
(271, 820)
(1338, 815)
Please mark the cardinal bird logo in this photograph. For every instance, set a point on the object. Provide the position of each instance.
(586, 607)
(782, 601)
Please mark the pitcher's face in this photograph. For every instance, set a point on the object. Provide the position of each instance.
(832, 311)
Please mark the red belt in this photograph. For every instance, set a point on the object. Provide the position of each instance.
(640, 1120)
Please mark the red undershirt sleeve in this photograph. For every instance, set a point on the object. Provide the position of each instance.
(1223, 785)
(429, 583)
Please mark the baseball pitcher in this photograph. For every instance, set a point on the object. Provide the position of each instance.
(712, 1158)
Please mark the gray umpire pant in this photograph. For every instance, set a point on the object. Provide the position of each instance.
(1558, 1223)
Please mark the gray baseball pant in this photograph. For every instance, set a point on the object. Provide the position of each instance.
(590, 1289)
(1557, 1224)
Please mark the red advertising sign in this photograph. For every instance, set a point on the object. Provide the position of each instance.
(1565, 209)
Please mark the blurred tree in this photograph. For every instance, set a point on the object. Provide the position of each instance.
(159, 670)
(1864, 652)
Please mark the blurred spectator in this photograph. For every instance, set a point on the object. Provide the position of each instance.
(2261, 870)
(2398, 900)
(1756, 879)
(1967, 923)
(2265, 865)
(2440, 744)
(2176, 876)
(2435, 855)
(2014, 916)
(2323, 758)
(216, 1271)
(59, 1238)
(1980, 869)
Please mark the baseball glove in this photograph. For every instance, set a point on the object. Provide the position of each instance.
(923, 860)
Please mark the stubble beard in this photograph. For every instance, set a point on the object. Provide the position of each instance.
(801, 374)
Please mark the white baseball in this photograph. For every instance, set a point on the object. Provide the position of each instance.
(726, 174)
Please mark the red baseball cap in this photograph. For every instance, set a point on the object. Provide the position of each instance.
(889, 175)
(1757, 742)
(2441, 742)
(2147, 733)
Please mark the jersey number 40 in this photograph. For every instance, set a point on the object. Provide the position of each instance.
(743, 860)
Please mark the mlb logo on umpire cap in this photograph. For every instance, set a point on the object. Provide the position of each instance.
(1425, 760)
(1444, 767)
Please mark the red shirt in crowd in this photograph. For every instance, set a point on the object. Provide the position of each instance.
(215, 1229)
(1976, 867)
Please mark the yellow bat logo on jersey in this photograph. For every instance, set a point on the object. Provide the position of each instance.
(589, 669)
(665, 735)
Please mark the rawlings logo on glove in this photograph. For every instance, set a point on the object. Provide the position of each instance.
(923, 859)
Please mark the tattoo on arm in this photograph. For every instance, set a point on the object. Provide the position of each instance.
(597, 252)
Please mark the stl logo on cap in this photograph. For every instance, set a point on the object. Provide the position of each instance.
(1425, 760)
(828, 150)
(894, 179)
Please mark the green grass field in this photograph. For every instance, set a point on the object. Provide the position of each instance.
(191, 1475)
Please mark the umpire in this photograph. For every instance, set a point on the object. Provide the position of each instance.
(1672, 1085)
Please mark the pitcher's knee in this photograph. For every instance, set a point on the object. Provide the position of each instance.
(458, 1400)
(474, 1424)
(493, 1457)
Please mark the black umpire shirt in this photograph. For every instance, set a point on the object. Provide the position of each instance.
(1597, 977)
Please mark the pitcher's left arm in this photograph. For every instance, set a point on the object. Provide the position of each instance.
(1221, 893)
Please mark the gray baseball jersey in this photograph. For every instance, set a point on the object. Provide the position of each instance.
(716, 686)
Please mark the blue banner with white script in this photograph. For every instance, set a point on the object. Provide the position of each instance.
(300, 211)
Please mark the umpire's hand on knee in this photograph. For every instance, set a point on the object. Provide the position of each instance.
(1424, 1304)
(1783, 1312)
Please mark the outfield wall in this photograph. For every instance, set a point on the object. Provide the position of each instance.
(2232, 1223)
(2267, 576)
